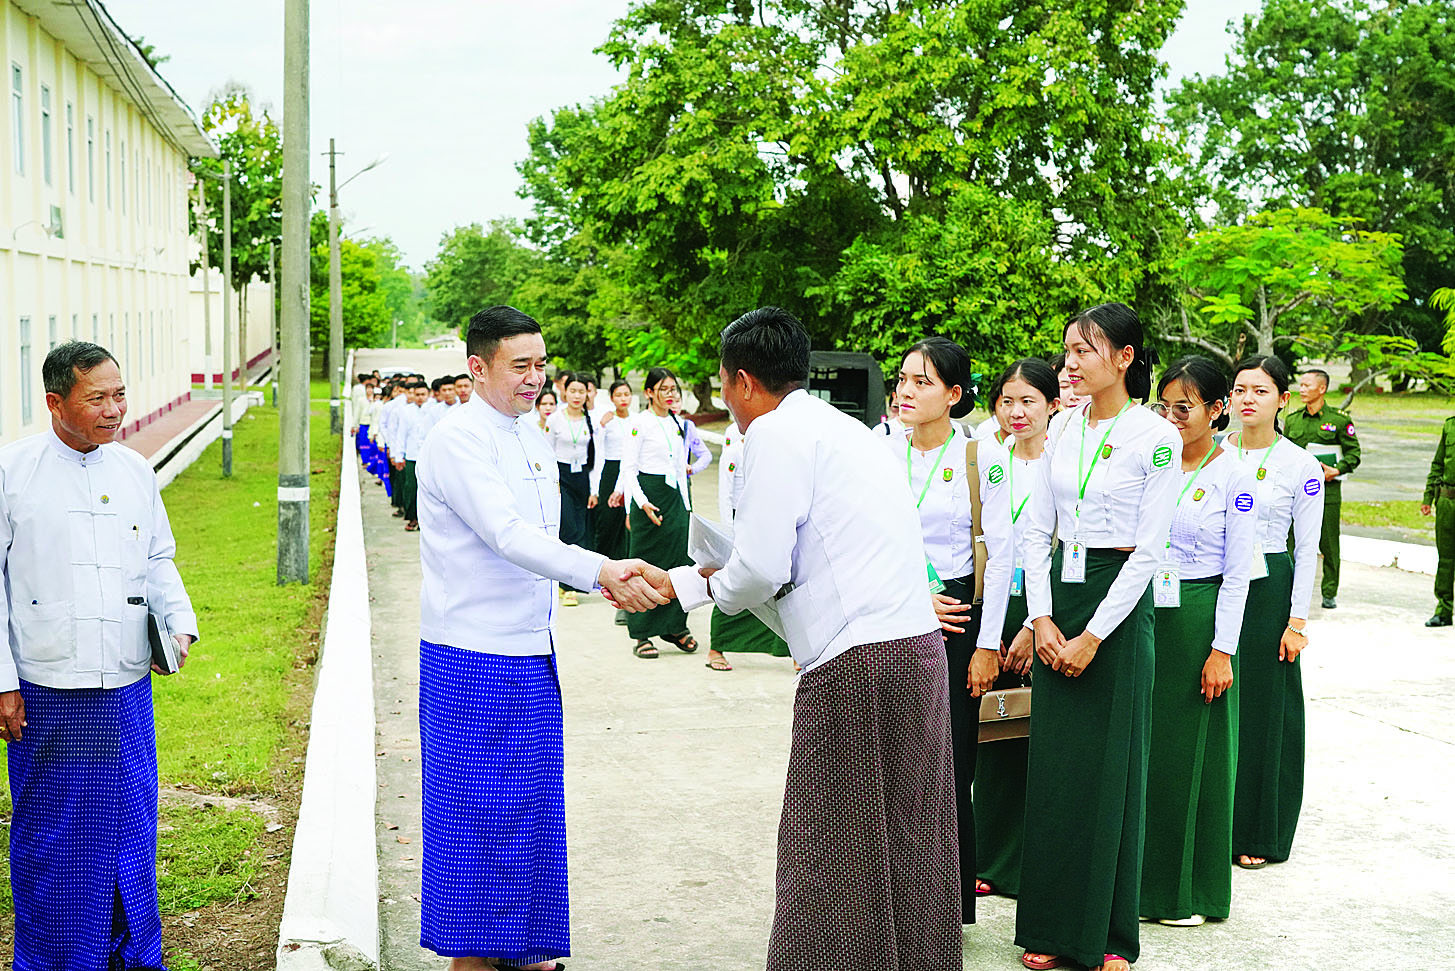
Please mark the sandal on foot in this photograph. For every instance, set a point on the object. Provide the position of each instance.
(684, 642)
(1250, 865)
(411, 527)
(1109, 958)
(1050, 961)
(646, 650)
(719, 663)
(984, 888)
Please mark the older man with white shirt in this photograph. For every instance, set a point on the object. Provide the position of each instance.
(489, 701)
(87, 553)
(826, 529)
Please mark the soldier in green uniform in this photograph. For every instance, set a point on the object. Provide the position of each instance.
(1330, 432)
(1440, 499)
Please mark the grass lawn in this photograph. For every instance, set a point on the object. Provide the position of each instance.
(232, 724)
(1400, 515)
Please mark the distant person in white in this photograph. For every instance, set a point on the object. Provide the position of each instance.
(826, 530)
(494, 869)
(87, 552)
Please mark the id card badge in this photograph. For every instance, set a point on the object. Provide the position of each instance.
(1018, 580)
(1166, 587)
(936, 584)
(1073, 563)
(575, 466)
(1260, 563)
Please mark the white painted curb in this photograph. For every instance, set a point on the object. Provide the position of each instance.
(1382, 552)
(331, 912)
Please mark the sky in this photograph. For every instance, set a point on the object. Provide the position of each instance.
(445, 89)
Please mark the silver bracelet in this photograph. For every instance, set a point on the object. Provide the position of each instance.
(1296, 630)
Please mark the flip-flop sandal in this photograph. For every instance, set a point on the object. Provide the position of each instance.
(1251, 866)
(646, 650)
(1051, 962)
(681, 642)
(984, 888)
(719, 664)
(1108, 958)
(411, 527)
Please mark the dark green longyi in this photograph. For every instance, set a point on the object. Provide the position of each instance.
(664, 546)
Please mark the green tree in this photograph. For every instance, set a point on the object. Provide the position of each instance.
(755, 152)
(1347, 106)
(376, 289)
(476, 267)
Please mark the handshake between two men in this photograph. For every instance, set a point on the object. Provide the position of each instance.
(636, 585)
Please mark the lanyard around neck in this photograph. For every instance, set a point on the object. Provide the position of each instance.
(571, 430)
(1015, 514)
(1196, 472)
(1084, 478)
(1262, 462)
(909, 469)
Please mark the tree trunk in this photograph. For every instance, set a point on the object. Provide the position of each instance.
(702, 391)
(1265, 326)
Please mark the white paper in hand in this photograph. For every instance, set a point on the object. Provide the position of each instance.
(710, 544)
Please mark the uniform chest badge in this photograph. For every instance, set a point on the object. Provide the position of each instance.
(1197, 495)
(949, 474)
(1106, 452)
(105, 500)
(732, 466)
(635, 430)
(1262, 474)
(538, 466)
(1326, 428)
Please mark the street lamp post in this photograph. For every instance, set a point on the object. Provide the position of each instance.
(293, 492)
(336, 383)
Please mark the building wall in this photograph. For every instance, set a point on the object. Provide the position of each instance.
(119, 274)
(255, 339)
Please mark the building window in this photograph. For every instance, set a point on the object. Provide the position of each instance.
(52, 333)
(95, 328)
(152, 341)
(26, 381)
(111, 332)
(108, 169)
(123, 176)
(45, 134)
(90, 158)
(75, 327)
(17, 113)
(71, 147)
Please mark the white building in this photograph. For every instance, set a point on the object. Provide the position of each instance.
(93, 210)
(252, 341)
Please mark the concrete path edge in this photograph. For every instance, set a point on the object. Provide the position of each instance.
(331, 910)
(198, 436)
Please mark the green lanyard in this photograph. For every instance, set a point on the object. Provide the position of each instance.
(1015, 514)
(909, 469)
(576, 439)
(1196, 472)
(1263, 462)
(1081, 454)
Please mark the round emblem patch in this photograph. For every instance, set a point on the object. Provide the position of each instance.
(995, 474)
(1312, 487)
(1197, 495)
(1262, 474)
(1162, 456)
(1244, 502)
(1349, 430)
(105, 500)
(538, 466)
(635, 430)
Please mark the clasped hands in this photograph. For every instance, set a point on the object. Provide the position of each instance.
(635, 585)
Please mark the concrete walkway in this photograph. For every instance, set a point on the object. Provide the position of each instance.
(675, 774)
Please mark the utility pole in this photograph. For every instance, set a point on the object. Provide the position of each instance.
(293, 367)
(273, 313)
(206, 285)
(335, 303)
(226, 319)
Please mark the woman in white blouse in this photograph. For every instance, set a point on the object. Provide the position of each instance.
(1024, 397)
(571, 435)
(1112, 482)
(1199, 591)
(1290, 486)
(654, 482)
(934, 390)
(614, 428)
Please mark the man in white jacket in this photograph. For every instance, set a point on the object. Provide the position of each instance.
(87, 554)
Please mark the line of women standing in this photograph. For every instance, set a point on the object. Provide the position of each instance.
(1146, 559)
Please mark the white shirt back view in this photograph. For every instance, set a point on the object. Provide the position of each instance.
(827, 529)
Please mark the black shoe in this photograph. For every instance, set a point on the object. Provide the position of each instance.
(1329, 603)
(1439, 620)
